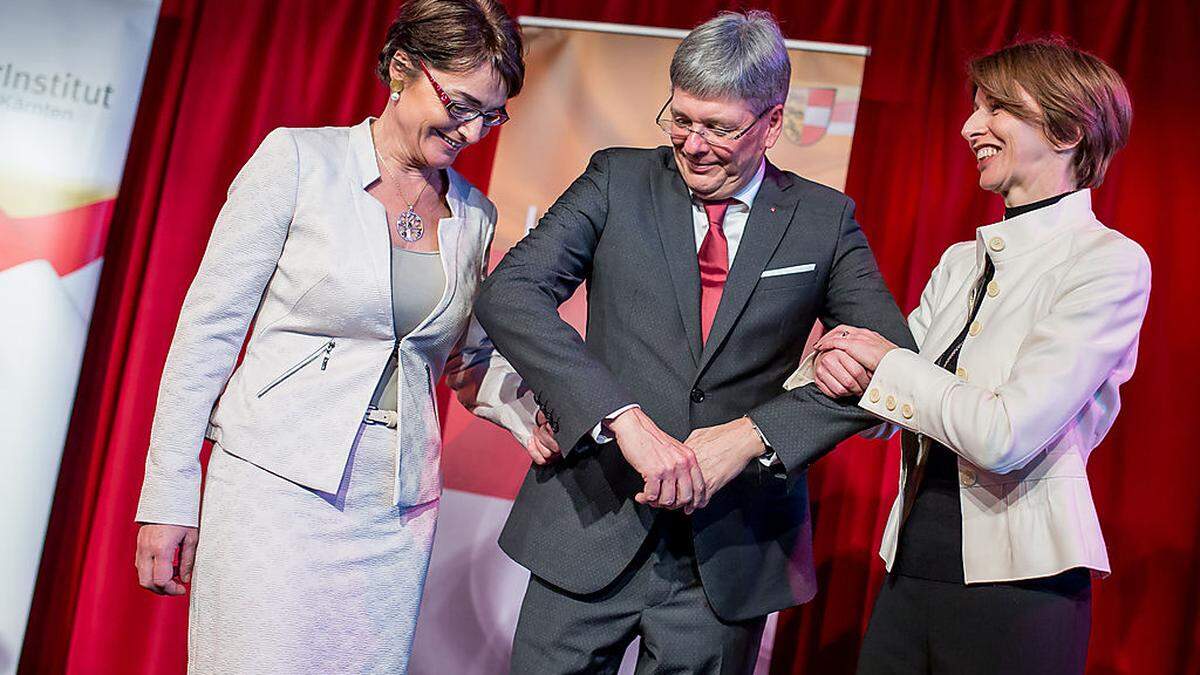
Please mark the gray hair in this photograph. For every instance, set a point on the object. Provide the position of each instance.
(734, 55)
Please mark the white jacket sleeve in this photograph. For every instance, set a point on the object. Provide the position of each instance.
(484, 381)
(918, 325)
(243, 251)
(1092, 325)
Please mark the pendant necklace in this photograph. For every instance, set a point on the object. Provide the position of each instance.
(409, 225)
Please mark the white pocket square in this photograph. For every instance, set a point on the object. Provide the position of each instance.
(794, 269)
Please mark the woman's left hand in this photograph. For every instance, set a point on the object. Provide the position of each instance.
(838, 375)
(865, 346)
(542, 447)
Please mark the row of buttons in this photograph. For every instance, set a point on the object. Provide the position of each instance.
(993, 288)
(906, 410)
(890, 403)
(967, 477)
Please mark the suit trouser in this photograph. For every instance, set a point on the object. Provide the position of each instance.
(658, 596)
(1032, 627)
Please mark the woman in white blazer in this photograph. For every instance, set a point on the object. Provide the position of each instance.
(1025, 334)
(356, 253)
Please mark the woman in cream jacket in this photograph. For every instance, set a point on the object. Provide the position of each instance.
(1025, 334)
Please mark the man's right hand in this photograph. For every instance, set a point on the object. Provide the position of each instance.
(668, 467)
(155, 559)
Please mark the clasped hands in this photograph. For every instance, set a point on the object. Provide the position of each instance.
(846, 360)
(686, 475)
(677, 475)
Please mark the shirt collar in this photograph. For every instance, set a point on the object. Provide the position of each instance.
(750, 190)
(1034, 229)
(1014, 211)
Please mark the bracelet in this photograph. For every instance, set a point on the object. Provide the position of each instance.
(762, 437)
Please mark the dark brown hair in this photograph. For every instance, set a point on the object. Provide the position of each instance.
(1081, 98)
(456, 36)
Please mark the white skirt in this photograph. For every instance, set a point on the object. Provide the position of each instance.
(292, 580)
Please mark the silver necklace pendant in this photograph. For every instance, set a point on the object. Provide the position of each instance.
(409, 226)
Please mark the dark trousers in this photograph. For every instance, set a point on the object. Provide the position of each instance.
(935, 627)
(658, 597)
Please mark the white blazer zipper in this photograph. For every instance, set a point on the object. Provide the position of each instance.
(432, 397)
(325, 349)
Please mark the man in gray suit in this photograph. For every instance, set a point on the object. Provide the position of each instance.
(705, 266)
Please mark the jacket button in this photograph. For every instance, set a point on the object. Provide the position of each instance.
(697, 395)
(967, 477)
(890, 403)
(996, 244)
(874, 396)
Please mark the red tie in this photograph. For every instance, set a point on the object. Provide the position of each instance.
(714, 264)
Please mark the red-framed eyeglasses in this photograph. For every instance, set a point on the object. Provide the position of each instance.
(461, 112)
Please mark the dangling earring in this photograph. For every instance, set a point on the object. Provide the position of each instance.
(395, 96)
(397, 87)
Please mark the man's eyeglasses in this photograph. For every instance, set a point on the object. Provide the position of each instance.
(679, 128)
(461, 112)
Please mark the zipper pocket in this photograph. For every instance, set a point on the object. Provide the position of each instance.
(432, 397)
(325, 349)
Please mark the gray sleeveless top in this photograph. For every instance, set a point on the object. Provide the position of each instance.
(418, 282)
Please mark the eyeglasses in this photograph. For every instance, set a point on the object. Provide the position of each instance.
(679, 128)
(461, 112)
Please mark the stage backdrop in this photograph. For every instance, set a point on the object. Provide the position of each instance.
(70, 76)
(221, 75)
(587, 86)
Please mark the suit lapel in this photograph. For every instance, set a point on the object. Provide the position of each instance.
(769, 219)
(449, 233)
(673, 213)
(362, 171)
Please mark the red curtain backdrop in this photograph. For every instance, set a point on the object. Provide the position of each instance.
(221, 75)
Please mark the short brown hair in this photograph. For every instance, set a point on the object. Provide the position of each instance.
(1081, 98)
(456, 36)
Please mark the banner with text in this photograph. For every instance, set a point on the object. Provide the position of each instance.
(70, 77)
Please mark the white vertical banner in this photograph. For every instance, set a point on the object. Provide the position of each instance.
(71, 75)
(588, 86)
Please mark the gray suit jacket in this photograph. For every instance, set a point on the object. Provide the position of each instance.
(625, 229)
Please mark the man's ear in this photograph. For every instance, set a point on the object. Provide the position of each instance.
(774, 126)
